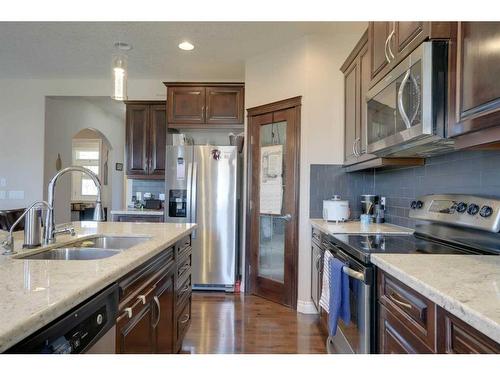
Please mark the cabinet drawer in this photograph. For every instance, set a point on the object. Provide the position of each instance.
(183, 292)
(183, 319)
(414, 310)
(138, 278)
(395, 337)
(183, 269)
(457, 337)
(182, 246)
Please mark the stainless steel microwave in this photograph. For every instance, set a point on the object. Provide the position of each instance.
(406, 110)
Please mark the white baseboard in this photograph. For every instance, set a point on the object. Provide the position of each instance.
(306, 307)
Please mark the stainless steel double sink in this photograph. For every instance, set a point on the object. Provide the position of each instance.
(92, 248)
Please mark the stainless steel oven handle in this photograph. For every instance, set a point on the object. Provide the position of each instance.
(354, 274)
(401, 108)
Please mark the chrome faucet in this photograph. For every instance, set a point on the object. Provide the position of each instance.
(50, 227)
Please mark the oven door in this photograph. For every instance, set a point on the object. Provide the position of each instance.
(354, 336)
(399, 108)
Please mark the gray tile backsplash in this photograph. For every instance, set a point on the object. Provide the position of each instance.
(156, 187)
(466, 172)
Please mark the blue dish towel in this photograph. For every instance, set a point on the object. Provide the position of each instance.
(339, 296)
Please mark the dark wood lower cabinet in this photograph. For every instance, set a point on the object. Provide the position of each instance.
(410, 323)
(151, 319)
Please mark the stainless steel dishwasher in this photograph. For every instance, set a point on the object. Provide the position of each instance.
(87, 328)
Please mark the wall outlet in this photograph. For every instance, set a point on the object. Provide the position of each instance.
(3, 182)
(2, 194)
(16, 194)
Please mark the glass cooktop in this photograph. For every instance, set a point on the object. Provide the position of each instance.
(361, 246)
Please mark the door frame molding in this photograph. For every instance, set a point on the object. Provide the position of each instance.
(290, 103)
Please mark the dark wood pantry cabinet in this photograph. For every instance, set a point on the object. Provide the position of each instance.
(145, 139)
(205, 105)
(155, 303)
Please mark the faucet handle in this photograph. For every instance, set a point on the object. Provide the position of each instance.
(68, 229)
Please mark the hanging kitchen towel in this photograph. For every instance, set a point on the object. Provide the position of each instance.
(324, 301)
(339, 296)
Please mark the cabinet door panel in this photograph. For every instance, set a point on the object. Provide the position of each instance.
(478, 92)
(157, 139)
(135, 336)
(364, 76)
(224, 105)
(395, 338)
(137, 140)
(377, 36)
(351, 108)
(405, 32)
(186, 105)
(165, 326)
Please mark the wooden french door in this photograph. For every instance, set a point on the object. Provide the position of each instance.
(273, 196)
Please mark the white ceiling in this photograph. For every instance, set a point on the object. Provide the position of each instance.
(84, 49)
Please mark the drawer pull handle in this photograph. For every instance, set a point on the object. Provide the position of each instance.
(392, 297)
(128, 310)
(185, 319)
(142, 297)
(183, 268)
(186, 288)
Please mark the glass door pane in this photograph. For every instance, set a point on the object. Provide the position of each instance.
(272, 224)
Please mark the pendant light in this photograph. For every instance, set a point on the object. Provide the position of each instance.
(119, 73)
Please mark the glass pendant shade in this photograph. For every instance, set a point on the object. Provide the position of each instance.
(119, 77)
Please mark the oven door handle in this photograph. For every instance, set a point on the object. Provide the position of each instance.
(401, 107)
(354, 274)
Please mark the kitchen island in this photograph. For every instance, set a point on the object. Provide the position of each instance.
(34, 293)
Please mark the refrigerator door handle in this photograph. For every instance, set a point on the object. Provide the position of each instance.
(194, 186)
(189, 186)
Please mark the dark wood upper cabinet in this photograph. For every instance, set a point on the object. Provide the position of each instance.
(351, 108)
(405, 32)
(145, 139)
(477, 105)
(205, 105)
(390, 42)
(158, 139)
(224, 105)
(136, 139)
(378, 34)
(186, 105)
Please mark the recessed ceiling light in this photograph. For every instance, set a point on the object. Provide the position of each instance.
(186, 46)
(122, 46)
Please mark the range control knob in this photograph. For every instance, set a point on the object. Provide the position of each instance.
(413, 204)
(419, 204)
(486, 211)
(461, 207)
(99, 319)
(473, 209)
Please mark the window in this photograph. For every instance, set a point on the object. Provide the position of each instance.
(87, 154)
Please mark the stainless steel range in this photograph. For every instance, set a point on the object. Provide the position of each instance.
(446, 224)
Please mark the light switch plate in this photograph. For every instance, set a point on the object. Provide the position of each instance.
(16, 194)
(2, 194)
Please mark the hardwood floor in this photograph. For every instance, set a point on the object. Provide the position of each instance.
(232, 323)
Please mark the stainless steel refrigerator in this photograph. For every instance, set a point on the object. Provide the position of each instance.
(202, 187)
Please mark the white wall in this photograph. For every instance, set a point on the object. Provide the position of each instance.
(22, 119)
(64, 118)
(308, 67)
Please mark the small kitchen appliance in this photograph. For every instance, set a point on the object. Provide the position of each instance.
(336, 209)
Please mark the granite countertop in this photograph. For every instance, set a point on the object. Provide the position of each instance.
(137, 212)
(35, 292)
(353, 227)
(468, 286)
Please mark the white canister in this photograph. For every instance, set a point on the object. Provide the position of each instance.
(336, 209)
